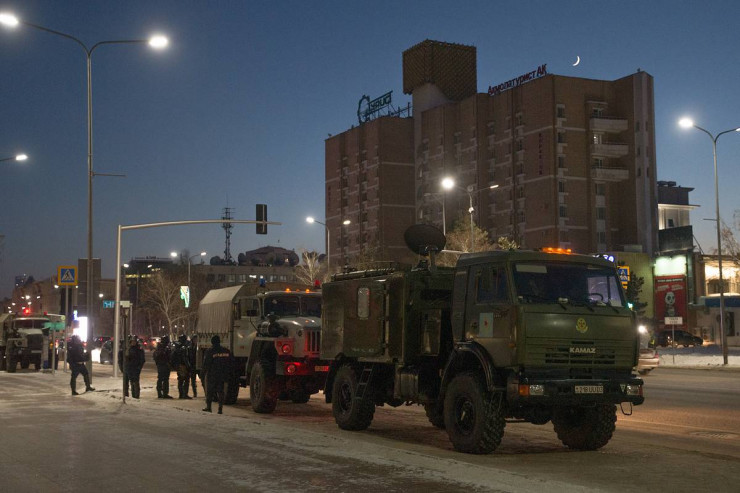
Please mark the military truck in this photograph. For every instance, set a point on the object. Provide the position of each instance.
(523, 335)
(21, 341)
(273, 332)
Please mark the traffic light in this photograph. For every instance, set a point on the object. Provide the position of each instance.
(261, 216)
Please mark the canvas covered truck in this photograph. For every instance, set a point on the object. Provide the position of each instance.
(273, 332)
(523, 335)
(21, 341)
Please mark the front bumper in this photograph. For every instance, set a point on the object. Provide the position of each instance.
(524, 390)
(293, 368)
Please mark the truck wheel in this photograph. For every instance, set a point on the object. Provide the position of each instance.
(434, 416)
(263, 389)
(25, 363)
(585, 428)
(349, 412)
(474, 418)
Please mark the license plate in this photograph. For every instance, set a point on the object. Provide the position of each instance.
(589, 389)
(321, 368)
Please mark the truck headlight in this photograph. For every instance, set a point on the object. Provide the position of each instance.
(633, 389)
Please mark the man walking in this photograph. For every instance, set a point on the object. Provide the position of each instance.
(217, 368)
(193, 358)
(76, 357)
(162, 360)
(135, 360)
(181, 364)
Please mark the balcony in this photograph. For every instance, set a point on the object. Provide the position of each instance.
(609, 125)
(609, 174)
(610, 150)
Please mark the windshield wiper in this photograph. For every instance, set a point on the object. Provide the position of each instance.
(586, 303)
(530, 297)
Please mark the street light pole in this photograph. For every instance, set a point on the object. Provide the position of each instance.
(155, 42)
(448, 184)
(688, 123)
(311, 220)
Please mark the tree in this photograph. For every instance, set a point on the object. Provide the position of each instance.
(634, 288)
(458, 239)
(369, 257)
(310, 269)
(161, 296)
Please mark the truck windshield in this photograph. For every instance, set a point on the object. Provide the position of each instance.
(575, 283)
(293, 306)
(30, 323)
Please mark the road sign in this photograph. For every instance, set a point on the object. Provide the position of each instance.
(109, 304)
(67, 275)
(624, 275)
(674, 321)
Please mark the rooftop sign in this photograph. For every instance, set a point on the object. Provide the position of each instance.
(518, 81)
(369, 110)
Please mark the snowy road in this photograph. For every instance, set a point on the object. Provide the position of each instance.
(54, 442)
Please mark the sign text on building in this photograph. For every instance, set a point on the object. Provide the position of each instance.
(518, 81)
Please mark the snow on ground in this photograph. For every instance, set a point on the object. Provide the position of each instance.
(707, 356)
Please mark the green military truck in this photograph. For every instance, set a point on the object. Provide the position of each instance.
(21, 341)
(520, 335)
(273, 332)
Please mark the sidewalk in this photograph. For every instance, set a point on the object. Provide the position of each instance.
(708, 356)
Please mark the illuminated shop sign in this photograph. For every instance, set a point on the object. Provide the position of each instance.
(367, 110)
(518, 81)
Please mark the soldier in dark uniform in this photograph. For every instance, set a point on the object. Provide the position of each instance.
(134, 361)
(162, 360)
(77, 357)
(180, 362)
(218, 365)
(122, 367)
(192, 357)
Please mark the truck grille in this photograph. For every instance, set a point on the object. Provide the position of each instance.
(313, 341)
(35, 341)
(577, 353)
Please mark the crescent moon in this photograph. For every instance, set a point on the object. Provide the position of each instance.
(578, 60)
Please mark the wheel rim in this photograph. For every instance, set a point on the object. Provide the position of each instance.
(345, 397)
(464, 415)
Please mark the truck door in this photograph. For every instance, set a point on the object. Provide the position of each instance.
(488, 309)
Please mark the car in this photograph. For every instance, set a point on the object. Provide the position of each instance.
(648, 360)
(99, 341)
(683, 338)
(106, 352)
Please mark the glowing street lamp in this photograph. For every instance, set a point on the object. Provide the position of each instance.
(157, 42)
(448, 183)
(19, 157)
(311, 220)
(689, 123)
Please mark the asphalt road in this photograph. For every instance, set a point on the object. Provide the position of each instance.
(686, 437)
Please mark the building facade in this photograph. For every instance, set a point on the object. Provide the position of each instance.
(573, 159)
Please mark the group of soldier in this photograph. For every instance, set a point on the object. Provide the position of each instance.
(216, 370)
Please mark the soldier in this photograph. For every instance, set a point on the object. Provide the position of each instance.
(122, 367)
(217, 368)
(76, 357)
(134, 361)
(162, 360)
(192, 357)
(180, 362)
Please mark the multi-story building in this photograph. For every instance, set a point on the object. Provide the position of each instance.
(573, 159)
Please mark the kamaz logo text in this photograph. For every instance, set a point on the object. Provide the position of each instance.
(583, 350)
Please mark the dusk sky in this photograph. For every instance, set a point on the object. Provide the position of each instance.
(236, 110)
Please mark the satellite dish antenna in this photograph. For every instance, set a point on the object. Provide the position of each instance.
(423, 239)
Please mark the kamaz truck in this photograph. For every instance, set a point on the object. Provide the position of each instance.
(524, 335)
(21, 341)
(273, 332)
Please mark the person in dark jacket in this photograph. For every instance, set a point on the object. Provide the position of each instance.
(218, 366)
(180, 362)
(134, 360)
(193, 358)
(122, 367)
(162, 360)
(77, 357)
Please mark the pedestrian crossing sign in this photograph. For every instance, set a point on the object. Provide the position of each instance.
(67, 275)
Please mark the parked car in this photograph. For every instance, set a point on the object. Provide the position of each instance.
(99, 341)
(106, 352)
(683, 338)
(648, 361)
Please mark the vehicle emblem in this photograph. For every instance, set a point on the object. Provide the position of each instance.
(581, 326)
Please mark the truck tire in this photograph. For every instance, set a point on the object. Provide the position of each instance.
(434, 416)
(263, 388)
(474, 417)
(585, 428)
(349, 412)
(12, 363)
(232, 390)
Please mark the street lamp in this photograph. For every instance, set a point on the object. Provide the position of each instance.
(190, 258)
(689, 123)
(157, 42)
(311, 220)
(19, 157)
(448, 183)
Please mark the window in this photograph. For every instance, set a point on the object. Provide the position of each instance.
(601, 237)
(637, 127)
(561, 137)
(561, 186)
(671, 225)
(490, 285)
(521, 217)
(597, 112)
(600, 189)
(563, 211)
(232, 278)
(638, 150)
(598, 162)
(561, 111)
(561, 161)
(598, 138)
(456, 138)
(222, 278)
(601, 213)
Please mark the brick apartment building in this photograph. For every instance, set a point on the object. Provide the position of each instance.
(573, 160)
